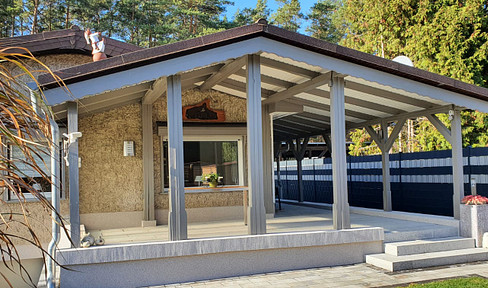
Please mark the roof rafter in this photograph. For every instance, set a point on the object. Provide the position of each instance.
(299, 88)
(224, 73)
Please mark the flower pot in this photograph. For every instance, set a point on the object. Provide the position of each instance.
(213, 184)
(474, 222)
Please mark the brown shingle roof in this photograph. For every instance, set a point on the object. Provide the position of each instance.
(161, 53)
(64, 41)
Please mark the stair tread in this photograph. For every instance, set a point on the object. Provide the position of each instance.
(428, 241)
(430, 255)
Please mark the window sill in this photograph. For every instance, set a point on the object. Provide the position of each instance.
(208, 189)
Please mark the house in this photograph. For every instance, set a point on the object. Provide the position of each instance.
(58, 50)
(154, 118)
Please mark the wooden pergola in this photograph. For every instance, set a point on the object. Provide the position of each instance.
(295, 86)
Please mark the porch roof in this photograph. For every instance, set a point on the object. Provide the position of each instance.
(295, 73)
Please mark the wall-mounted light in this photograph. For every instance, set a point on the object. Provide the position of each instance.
(451, 115)
(128, 148)
(70, 139)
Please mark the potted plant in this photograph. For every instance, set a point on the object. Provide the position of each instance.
(474, 217)
(212, 178)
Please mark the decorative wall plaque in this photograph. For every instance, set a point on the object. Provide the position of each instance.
(202, 112)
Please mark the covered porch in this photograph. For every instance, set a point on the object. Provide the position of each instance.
(289, 87)
(296, 217)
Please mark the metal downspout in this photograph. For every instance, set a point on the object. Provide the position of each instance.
(55, 202)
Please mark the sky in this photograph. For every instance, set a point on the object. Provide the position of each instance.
(272, 5)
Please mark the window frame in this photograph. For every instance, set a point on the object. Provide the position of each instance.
(9, 197)
(229, 134)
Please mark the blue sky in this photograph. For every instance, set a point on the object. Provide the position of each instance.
(272, 4)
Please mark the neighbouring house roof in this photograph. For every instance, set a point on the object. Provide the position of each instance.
(260, 29)
(64, 41)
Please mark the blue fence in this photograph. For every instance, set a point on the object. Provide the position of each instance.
(420, 182)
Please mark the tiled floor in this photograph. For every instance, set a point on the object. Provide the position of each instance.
(360, 275)
(292, 218)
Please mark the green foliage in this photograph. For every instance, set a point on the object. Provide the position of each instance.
(471, 282)
(250, 15)
(447, 37)
(288, 15)
(326, 23)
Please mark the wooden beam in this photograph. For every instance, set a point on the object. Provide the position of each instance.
(393, 135)
(201, 72)
(315, 82)
(434, 110)
(147, 163)
(325, 107)
(284, 107)
(74, 176)
(340, 208)
(288, 68)
(457, 162)
(256, 211)
(291, 128)
(309, 123)
(359, 102)
(269, 80)
(388, 95)
(224, 73)
(177, 218)
(294, 126)
(440, 126)
(375, 136)
(157, 90)
(240, 86)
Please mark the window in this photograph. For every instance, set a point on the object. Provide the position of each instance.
(31, 176)
(204, 157)
(221, 153)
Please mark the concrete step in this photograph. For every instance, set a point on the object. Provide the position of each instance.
(428, 246)
(440, 232)
(407, 262)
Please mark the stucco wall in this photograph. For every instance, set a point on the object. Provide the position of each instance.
(40, 219)
(54, 62)
(110, 182)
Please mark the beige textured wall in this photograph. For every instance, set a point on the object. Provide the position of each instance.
(40, 219)
(54, 62)
(110, 182)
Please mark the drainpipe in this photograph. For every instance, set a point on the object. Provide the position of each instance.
(55, 202)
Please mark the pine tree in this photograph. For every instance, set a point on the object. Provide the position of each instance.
(288, 16)
(325, 21)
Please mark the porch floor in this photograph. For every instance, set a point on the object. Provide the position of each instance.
(292, 218)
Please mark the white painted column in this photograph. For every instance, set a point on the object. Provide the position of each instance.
(177, 222)
(385, 167)
(256, 211)
(268, 160)
(74, 177)
(148, 165)
(340, 210)
(457, 162)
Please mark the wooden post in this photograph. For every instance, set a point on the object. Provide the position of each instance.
(457, 162)
(268, 160)
(177, 220)
(340, 210)
(148, 163)
(257, 213)
(74, 177)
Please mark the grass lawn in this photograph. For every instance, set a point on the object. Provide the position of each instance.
(471, 282)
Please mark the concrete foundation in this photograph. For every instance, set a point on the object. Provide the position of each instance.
(189, 260)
